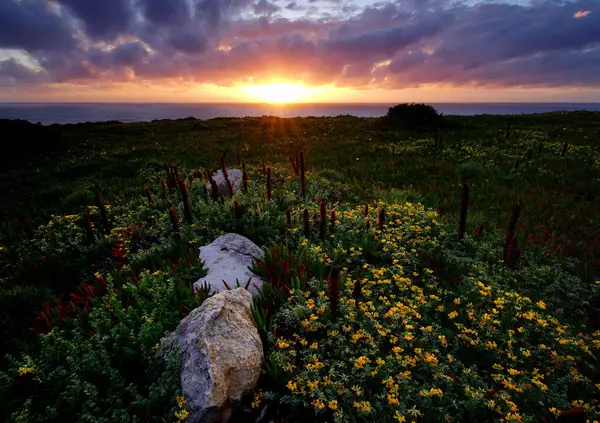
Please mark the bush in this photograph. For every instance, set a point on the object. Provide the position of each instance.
(414, 117)
(97, 359)
(24, 141)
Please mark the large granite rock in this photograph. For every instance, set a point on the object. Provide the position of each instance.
(235, 177)
(221, 354)
(228, 259)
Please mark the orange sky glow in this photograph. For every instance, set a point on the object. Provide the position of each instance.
(281, 91)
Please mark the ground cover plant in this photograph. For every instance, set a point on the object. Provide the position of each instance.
(373, 283)
(398, 337)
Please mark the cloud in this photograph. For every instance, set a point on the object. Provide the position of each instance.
(188, 41)
(103, 19)
(215, 11)
(11, 71)
(127, 54)
(161, 12)
(32, 26)
(388, 44)
(581, 14)
(264, 7)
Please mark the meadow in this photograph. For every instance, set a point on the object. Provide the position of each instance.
(410, 314)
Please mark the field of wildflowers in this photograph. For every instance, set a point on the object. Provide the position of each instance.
(379, 304)
(403, 344)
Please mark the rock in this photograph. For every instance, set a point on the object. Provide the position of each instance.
(235, 177)
(228, 259)
(221, 354)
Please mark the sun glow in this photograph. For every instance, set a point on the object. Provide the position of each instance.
(279, 93)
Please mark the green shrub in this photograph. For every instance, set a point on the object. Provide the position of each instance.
(97, 363)
(414, 117)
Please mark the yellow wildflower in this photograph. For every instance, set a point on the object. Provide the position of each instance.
(25, 370)
(182, 414)
(291, 386)
(257, 399)
(361, 361)
(318, 404)
(364, 406)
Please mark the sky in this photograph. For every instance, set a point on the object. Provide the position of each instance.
(303, 50)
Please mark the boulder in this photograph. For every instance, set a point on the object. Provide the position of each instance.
(220, 353)
(235, 177)
(228, 259)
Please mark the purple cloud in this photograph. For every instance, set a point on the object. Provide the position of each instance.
(390, 44)
(161, 12)
(12, 72)
(30, 25)
(105, 19)
(265, 7)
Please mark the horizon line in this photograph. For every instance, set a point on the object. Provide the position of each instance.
(283, 104)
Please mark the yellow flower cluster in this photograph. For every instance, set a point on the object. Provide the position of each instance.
(406, 330)
(181, 414)
(181, 401)
(258, 396)
(25, 370)
(364, 406)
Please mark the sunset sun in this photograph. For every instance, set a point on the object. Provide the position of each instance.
(279, 93)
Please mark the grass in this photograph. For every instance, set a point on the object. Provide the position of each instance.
(548, 164)
(558, 194)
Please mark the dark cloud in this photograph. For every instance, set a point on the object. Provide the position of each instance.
(103, 19)
(67, 68)
(161, 12)
(265, 7)
(30, 25)
(215, 11)
(191, 42)
(378, 44)
(13, 71)
(128, 54)
(514, 31)
(389, 44)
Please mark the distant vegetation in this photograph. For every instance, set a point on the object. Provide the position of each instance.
(21, 141)
(483, 238)
(413, 116)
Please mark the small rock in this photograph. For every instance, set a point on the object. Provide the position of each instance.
(235, 177)
(221, 354)
(228, 259)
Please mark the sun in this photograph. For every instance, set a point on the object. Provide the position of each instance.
(279, 93)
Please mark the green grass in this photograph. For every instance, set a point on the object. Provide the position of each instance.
(559, 195)
(47, 257)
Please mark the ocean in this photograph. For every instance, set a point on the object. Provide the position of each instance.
(50, 113)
